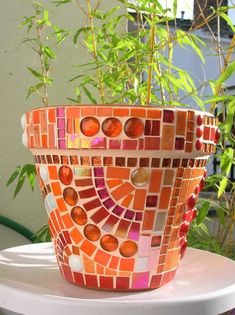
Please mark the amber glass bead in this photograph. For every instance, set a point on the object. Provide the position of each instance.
(140, 177)
(112, 127)
(79, 216)
(70, 196)
(109, 243)
(134, 128)
(90, 126)
(128, 249)
(92, 232)
(65, 175)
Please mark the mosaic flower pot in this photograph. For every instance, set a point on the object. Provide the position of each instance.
(120, 185)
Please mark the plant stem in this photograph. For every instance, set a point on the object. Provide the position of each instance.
(152, 40)
(95, 55)
(44, 72)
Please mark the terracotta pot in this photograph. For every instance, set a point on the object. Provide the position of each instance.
(120, 185)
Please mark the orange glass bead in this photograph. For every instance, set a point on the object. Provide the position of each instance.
(65, 175)
(112, 127)
(70, 196)
(92, 232)
(128, 249)
(79, 216)
(134, 128)
(90, 126)
(109, 243)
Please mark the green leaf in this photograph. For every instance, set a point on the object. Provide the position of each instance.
(36, 74)
(203, 211)
(43, 235)
(61, 2)
(225, 75)
(228, 20)
(89, 95)
(14, 175)
(222, 186)
(49, 52)
(34, 89)
(226, 161)
(78, 32)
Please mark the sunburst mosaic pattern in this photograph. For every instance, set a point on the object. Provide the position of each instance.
(119, 214)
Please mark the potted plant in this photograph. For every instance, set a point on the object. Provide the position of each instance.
(120, 177)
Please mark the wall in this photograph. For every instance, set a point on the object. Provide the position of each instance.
(28, 208)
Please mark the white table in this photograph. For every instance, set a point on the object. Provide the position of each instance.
(30, 283)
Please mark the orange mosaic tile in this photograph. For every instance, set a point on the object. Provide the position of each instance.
(122, 191)
(127, 200)
(139, 199)
(127, 264)
(138, 112)
(88, 264)
(154, 113)
(87, 247)
(167, 138)
(102, 257)
(165, 197)
(76, 236)
(118, 172)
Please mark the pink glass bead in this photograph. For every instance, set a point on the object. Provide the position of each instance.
(60, 112)
(199, 131)
(202, 183)
(191, 202)
(194, 213)
(199, 120)
(198, 145)
(197, 190)
(183, 248)
(217, 135)
(184, 229)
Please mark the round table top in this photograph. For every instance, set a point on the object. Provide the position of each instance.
(30, 283)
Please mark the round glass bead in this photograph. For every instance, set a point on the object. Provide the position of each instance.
(112, 127)
(199, 132)
(191, 202)
(197, 190)
(183, 248)
(202, 184)
(134, 128)
(184, 229)
(79, 216)
(92, 232)
(65, 175)
(43, 173)
(217, 135)
(140, 177)
(70, 196)
(198, 145)
(23, 121)
(109, 243)
(90, 126)
(75, 263)
(199, 120)
(128, 249)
